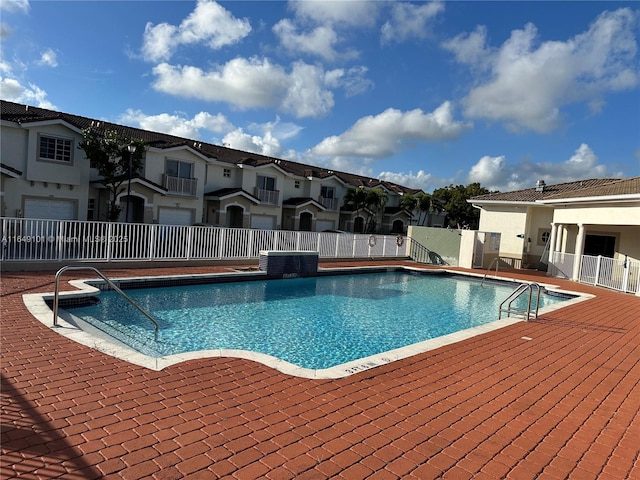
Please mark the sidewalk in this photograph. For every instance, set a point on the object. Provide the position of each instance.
(554, 398)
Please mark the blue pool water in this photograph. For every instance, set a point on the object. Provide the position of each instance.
(315, 323)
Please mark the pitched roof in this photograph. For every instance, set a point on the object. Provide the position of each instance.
(24, 114)
(560, 190)
(626, 186)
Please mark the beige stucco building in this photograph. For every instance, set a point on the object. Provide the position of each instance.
(43, 174)
(597, 217)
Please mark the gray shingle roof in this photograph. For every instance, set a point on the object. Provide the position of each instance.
(626, 186)
(560, 190)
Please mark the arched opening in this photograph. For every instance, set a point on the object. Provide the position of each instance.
(235, 217)
(397, 227)
(306, 221)
(358, 225)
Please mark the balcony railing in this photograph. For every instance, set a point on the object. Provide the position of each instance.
(180, 186)
(329, 203)
(269, 197)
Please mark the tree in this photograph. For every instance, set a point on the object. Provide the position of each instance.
(424, 204)
(108, 152)
(356, 198)
(453, 199)
(409, 203)
(374, 201)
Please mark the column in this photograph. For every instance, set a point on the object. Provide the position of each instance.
(577, 260)
(559, 234)
(552, 248)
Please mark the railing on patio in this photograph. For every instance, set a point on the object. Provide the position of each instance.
(421, 254)
(34, 240)
(622, 275)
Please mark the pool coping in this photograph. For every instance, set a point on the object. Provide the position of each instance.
(81, 332)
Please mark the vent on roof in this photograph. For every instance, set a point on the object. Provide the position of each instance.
(540, 186)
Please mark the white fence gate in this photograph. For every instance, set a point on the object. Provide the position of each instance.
(622, 274)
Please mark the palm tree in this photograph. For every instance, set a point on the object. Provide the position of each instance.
(375, 200)
(424, 203)
(356, 197)
(409, 203)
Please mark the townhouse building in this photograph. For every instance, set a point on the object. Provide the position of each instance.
(43, 174)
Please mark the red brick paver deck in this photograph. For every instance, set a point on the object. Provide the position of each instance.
(562, 402)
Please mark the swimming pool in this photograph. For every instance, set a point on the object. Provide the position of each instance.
(314, 323)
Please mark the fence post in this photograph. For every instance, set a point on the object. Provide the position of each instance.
(153, 234)
(189, 241)
(109, 235)
(221, 242)
(625, 278)
(597, 275)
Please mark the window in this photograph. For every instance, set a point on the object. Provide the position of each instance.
(58, 149)
(226, 172)
(266, 183)
(91, 209)
(596, 244)
(543, 236)
(327, 192)
(296, 184)
(175, 168)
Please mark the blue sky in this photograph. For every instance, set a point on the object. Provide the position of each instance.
(424, 94)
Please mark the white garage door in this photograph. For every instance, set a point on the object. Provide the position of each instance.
(322, 225)
(263, 222)
(175, 216)
(49, 208)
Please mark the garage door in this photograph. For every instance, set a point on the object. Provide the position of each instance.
(322, 225)
(263, 222)
(175, 216)
(49, 208)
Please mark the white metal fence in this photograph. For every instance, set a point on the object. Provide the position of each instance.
(34, 240)
(622, 275)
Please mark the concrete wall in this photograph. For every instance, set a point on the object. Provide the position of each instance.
(442, 241)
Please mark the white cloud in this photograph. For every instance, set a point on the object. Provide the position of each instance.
(265, 140)
(177, 124)
(321, 41)
(529, 82)
(409, 21)
(495, 173)
(48, 58)
(242, 82)
(422, 180)
(392, 131)
(254, 83)
(346, 13)
(14, 91)
(319, 27)
(264, 145)
(470, 49)
(353, 80)
(15, 6)
(209, 24)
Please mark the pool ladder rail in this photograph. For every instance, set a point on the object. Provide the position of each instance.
(110, 283)
(506, 307)
(496, 261)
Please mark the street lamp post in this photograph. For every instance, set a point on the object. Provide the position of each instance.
(131, 148)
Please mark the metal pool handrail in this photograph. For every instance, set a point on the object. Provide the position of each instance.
(496, 261)
(110, 283)
(522, 288)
